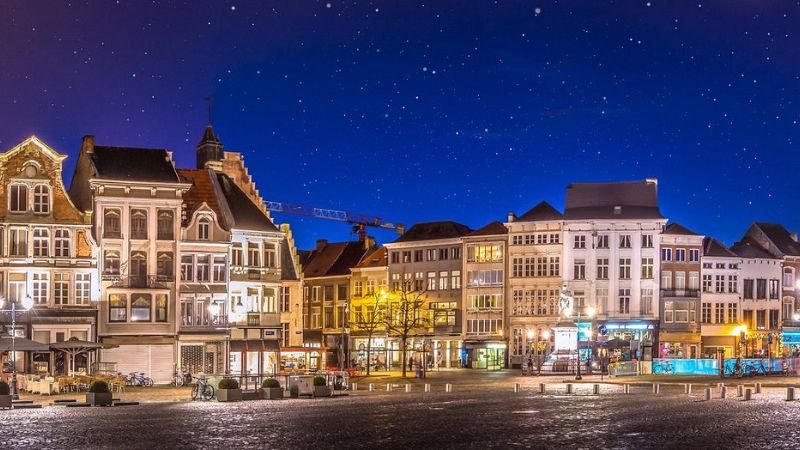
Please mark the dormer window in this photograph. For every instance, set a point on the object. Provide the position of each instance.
(203, 229)
(41, 199)
(18, 198)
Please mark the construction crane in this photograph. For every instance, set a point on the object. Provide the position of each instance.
(360, 222)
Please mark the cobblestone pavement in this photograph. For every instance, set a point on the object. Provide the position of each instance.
(472, 416)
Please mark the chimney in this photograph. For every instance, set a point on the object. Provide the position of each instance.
(321, 243)
(511, 216)
(369, 242)
(87, 146)
(794, 237)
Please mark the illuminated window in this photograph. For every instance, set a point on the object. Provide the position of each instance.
(61, 288)
(270, 255)
(141, 307)
(83, 285)
(117, 308)
(220, 274)
(40, 284)
(161, 308)
(203, 266)
(41, 242)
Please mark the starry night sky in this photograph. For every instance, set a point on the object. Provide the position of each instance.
(416, 111)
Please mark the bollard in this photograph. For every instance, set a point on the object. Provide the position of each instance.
(748, 394)
(448, 387)
(626, 389)
(388, 388)
(596, 389)
(354, 386)
(541, 388)
(371, 387)
(740, 391)
(708, 394)
(569, 388)
(427, 387)
(656, 388)
(516, 387)
(758, 388)
(724, 392)
(408, 388)
(789, 394)
(687, 388)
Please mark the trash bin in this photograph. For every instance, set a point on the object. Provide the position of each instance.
(338, 383)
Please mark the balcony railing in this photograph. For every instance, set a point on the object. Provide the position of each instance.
(136, 281)
(241, 273)
(680, 292)
(204, 321)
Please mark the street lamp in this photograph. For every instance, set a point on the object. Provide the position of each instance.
(567, 303)
(27, 304)
(341, 341)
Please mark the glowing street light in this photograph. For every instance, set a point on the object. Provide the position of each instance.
(27, 304)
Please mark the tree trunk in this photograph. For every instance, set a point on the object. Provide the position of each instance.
(369, 350)
(403, 353)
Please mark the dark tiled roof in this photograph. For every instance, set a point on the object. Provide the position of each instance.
(748, 248)
(134, 164)
(542, 212)
(676, 228)
(246, 214)
(781, 237)
(490, 229)
(202, 191)
(427, 231)
(375, 259)
(288, 271)
(636, 199)
(335, 258)
(209, 136)
(713, 247)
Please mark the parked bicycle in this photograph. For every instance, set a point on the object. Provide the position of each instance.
(138, 379)
(733, 368)
(182, 378)
(201, 389)
(663, 368)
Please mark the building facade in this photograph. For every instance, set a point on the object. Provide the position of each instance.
(720, 300)
(368, 306)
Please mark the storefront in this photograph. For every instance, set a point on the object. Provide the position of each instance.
(712, 346)
(152, 356)
(678, 345)
(790, 342)
(301, 359)
(486, 354)
(199, 354)
(625, 341)
(377, 351)
(254, 357)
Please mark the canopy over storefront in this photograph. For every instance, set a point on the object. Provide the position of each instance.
(75, 347)
(21, 344)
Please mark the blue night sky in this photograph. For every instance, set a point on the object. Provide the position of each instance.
(416, 111)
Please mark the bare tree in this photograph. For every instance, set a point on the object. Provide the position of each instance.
(372, 319)
(406, 318)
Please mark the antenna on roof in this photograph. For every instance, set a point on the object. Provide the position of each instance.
(208, 100)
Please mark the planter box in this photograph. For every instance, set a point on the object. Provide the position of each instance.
(272, 393)
(229, 395)
(98, 398)
(5, 401)
(252, 395)
(322, 391)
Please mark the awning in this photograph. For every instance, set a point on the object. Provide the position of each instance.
(21, 344)
(255, 345)
(672, 336)
(137, 340)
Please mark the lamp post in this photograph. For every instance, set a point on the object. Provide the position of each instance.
(566, 302)
(343, 355)
(540, 351)
(27, 304)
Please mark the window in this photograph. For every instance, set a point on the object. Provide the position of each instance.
(705, 314)
(236, 255)
(601, 296)
(164, 264)
(485, 253)
(516, 240)
(18, 242)
(220, 274)
(707, 283)
(579, 241)
(516, 267)
(788, 277)
(624, 301)
(747, 318)
(680, 254)
(647, 241)
(541, 238)
(41, 199)
(455, 279)
(485, 326)
(62, 243)
(555, 264)
(341, 291)
(270, 255)
(117, 308)
(761, 319)
(141, 307)
(719, 312)
(669, 312)
(165, 225)
(530, 264)
(733, 316)
(162, 309)
(253, 259)
(187, 274)
(624, 268)
(541, 266)
(788, 308)
(406, 256)
(694, 281)
(748, 289)
(602, 241)
(666, 254)
(61, 288)
(203, 229)
(110, 263)
(444, 254)
(138, 224)
(761, 289)
(773, 318)
(111, 224)
(396, 282)
(41, 242)
(285, 298)
(733, 284)
(647, 267)
(485, 301)
(41, 283)
(647, 301)
(83, 284)
(418, 255)
(773, 289)
(694, 255)
(138, 267)
(358, 288)
(579, 269)
(625, 241)
(555, 238)
(485, 277)
(443, 280)
(371, 287)
(602, 268)
(270, 304)
(327, 292)
(18, 198)
(666, 279)
(680, 280)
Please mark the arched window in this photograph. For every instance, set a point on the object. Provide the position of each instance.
(203, 229)
(138, 224)
(41, 199)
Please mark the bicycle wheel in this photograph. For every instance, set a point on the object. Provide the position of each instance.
(148, 382)
(195, 391)
(208, 392)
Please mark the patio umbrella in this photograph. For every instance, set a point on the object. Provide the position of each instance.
(74, 347)
(21, 344)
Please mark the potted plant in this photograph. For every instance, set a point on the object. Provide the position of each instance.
(5, 395)
(271, 389)
(321, 388)
(98, 394)
(228, 391)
